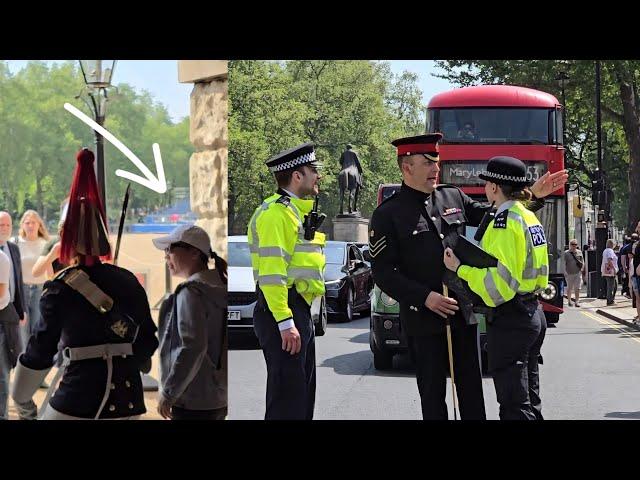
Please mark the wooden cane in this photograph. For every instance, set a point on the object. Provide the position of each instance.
(445, 292)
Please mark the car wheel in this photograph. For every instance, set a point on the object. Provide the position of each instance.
(382, 360)
(349, 306)
(321, 325)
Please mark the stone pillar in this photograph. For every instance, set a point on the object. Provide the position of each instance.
(351, 229)
(209, 135)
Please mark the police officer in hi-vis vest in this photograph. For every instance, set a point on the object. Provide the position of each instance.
(516, 324)
(407, 236)
(288, 266)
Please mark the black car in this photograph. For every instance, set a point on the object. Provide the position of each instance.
(348, 281)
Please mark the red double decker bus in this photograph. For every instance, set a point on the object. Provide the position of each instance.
(478, 123)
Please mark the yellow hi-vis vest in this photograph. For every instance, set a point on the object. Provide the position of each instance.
(281, 257)
(516, 238)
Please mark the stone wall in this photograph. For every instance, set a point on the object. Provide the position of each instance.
(209, 135)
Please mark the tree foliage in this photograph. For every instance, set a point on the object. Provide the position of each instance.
(620, 113)
(39, 140)
(276, 105)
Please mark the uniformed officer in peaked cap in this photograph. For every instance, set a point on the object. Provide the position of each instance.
(407, 236)
(516, 325)
(294, 157)
(288, 266)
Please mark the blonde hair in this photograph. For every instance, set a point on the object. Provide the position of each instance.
(42, 229)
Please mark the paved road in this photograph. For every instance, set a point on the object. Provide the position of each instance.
(591, 371)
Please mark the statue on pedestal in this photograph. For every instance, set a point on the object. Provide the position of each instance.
(350, 179)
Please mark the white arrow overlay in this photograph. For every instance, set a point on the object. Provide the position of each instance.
(158, 184)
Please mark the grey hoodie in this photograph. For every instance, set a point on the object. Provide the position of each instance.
(193, 343)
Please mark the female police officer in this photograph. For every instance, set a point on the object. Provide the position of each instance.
(516, 324)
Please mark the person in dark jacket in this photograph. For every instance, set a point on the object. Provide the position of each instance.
(15, 295)
(193, 330)
(16, 287)
(408, 233)
(101, 315)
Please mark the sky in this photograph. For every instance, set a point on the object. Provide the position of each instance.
(429, 85)
(158, 77)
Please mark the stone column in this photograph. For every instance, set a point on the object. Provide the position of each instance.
(209, 135)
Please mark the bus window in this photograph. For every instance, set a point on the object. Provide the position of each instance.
(493, 125)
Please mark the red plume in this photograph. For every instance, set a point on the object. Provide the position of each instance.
(84, 230)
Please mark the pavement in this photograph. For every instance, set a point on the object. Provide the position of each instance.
(621, 311)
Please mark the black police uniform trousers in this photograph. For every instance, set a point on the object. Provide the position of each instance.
(431, 357)
(514, 339)
(291, 379)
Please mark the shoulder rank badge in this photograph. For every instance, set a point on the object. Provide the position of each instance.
(500, 220)
(285, 200)
(378, 246)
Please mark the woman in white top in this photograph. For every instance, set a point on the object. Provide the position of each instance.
(609, 270)
(31, 239)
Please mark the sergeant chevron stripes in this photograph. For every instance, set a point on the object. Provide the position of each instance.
(376, 247)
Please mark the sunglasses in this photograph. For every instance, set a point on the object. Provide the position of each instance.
(171, 247)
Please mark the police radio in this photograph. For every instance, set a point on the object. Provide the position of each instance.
(484, 223)
(312, 221)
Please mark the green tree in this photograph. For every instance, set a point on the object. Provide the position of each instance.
(275, 105)
(39, 139)
(620, 122)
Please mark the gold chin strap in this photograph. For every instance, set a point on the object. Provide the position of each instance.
(432, 158)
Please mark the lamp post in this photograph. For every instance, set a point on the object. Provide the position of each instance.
(601, 219)
(561, 78)
(97, 77)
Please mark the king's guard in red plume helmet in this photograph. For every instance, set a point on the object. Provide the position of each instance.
(84, 233)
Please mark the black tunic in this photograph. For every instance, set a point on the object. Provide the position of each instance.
(407, 236)
(69, 317)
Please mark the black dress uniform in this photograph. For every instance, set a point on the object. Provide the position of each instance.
(98, 313)
(68, 317)
(408, 234)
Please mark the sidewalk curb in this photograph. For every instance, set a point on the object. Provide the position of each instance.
(616, 319)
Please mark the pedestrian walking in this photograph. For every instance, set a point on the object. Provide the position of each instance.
(573, 263)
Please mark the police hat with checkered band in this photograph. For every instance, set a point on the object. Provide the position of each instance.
(294, 157)
(506, 171)
(426, 145)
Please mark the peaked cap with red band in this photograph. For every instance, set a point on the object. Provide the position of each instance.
(84, 230)
(419, 144)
